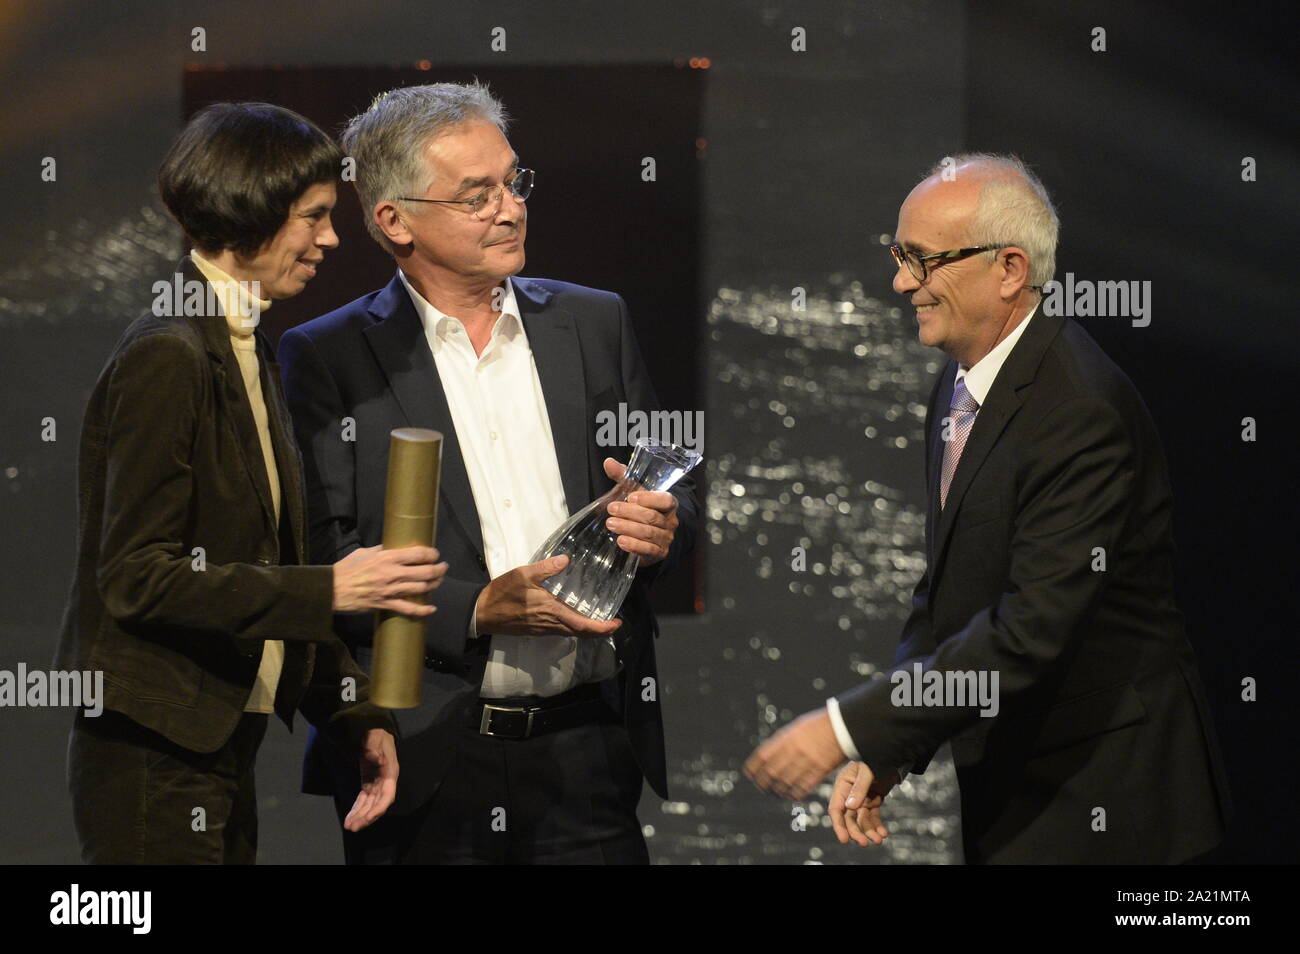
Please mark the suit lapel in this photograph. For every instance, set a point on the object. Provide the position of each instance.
(299, 658)
(402, 350)
(230, 385)
(288, 461)
(553, 339)
(1000, 406)
(941, 407)
(989, 424)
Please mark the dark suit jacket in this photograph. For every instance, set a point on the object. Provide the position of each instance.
(170, 461)
(1101, 703)
(370, 361)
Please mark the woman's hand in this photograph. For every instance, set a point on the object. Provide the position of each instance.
(372, 578)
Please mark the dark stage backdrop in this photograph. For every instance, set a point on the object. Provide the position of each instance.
(1143, 145)
(814, 415)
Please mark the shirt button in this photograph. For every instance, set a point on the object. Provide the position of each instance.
(508, 502)
(492, 434)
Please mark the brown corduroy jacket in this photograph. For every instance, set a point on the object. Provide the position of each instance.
(182, 571)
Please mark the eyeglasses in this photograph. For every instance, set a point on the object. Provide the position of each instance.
(488, 202)
(919, 265)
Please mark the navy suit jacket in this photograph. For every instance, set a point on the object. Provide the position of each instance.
(370, 361)
(1101, 705)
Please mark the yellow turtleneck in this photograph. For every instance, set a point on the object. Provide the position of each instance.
(241, 319)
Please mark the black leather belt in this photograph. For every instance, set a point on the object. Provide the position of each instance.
(528, 716)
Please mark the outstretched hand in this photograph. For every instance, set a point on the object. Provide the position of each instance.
(378, 780)
(855, 805)
(795, 760)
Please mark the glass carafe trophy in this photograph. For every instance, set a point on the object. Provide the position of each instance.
(600, 572)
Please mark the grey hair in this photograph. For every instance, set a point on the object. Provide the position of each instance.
(1013, 209)
(387, 141)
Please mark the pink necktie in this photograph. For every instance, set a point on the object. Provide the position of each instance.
(962, 420)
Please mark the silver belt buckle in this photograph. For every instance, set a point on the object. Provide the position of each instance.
(484, 726)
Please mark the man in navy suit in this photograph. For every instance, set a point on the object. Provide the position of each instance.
(1050, 568)
(537, 725)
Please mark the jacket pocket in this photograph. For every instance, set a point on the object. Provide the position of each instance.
(1092, 714)
(606, 402)
(151, 672)
(976, 512)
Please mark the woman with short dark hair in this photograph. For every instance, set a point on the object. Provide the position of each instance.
(190, 592)
(235, 170)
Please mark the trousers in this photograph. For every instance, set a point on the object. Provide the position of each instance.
(140, 799)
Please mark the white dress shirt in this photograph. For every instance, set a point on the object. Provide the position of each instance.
(499, 413)
(979, 381)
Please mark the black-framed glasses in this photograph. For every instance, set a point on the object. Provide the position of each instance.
(919, 265)
(489, 200)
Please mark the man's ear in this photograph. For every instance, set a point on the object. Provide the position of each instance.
(1015, 270)
(389, 219)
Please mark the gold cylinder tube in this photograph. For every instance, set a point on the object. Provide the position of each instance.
(410, 519)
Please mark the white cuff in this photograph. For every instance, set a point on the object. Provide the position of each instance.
(841, 731)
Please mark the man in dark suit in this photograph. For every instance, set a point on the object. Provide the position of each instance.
(1049, 574)
(191, 592)
(536, 724)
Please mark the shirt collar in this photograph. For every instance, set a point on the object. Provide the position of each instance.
(239, 306)
(980, 377)
(441, 324)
